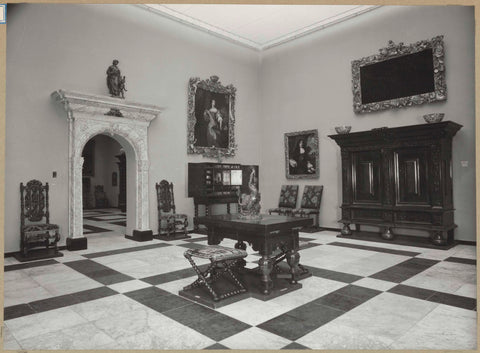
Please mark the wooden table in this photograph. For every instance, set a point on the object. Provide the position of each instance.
(266, 235)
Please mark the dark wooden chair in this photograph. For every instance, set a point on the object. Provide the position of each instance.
(287, 201)
(310, 204)
(223, 261)
(35, 227)
(170, 223)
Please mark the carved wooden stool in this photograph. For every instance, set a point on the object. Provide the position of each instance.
(222, 260)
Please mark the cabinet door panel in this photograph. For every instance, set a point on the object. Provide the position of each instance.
(366, 176)
(411, 168)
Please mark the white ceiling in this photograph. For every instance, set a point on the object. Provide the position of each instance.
(259, 26)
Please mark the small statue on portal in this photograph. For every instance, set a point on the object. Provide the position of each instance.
(115, 81)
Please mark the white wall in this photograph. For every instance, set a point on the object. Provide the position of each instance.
(306, 84)
(60, 46)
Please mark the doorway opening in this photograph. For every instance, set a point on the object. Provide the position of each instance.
(104, 187)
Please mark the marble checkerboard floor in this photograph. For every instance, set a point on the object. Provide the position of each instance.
(120, 294)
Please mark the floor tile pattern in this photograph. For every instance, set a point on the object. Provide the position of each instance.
(120, 294)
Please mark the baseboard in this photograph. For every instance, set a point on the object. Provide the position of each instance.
(76, 244)
(329, 228)
(13, 253)
(140, 235)
(467, 242)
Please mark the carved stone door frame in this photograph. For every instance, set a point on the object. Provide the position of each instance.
(91, 115)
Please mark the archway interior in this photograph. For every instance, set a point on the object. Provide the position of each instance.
(108, 192)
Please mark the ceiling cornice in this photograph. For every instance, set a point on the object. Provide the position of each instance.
(164, 11)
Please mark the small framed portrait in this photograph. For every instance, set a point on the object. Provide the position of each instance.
(211, 118)
(301, 155)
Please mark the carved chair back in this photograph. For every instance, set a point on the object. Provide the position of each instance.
(312, 196)
(165, 199)
(34, 202)
(288, 196)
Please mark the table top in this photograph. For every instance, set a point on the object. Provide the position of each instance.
(267, 223)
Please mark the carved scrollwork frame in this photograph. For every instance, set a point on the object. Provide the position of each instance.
(195, 145)
(393, 51)
(310, 146)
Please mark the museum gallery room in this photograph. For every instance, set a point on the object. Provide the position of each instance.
(239, 177)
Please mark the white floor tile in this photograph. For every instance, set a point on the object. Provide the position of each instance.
(255, 338)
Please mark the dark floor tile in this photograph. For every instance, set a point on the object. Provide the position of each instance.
(107, 277)
(454, 300)
(375, 248)
(120, 223)
(339, 301)
(404, 270)
(93, 229)
(192, 246)
(85, 266)
(295, 345)
(173, 276)
(300, 321)
(333, 275)
(306, 239)
(216, 346)
(93, 294)
(219, 327)
(12, 312)
(195, 240)
(30, 265)
(159, 279)
(146, 293)
(190, 314)
(358, 292)
(461, 260)
(165, 302)
(307, 246)
(125, 250)
(53, 303)
(414, 292)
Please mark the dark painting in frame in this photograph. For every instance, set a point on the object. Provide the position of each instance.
(211, 118)
(301, 155)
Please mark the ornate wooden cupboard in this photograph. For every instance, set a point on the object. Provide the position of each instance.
(399, 178)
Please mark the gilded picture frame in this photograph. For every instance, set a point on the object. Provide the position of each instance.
(302, 155)
(211, 118)
(397, 51)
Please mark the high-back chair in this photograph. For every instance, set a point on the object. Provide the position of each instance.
(287, 201)
(310, 205)
(35, 227)
(170, 223)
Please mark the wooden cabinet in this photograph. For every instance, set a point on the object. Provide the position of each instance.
(399, 178)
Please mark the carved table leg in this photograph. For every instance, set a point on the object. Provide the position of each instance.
(387, 233)
(438, 238)
(346, 229)
(242, 246)
(228, 207)
(195, 223)
(265, 264)
(357, 227)
(293, 258)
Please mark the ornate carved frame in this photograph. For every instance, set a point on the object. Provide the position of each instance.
(287, 155)
(395, 50)
(213, 85)
(87, 117)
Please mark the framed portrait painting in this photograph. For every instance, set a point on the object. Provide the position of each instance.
(211, 118)
(301, 155)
